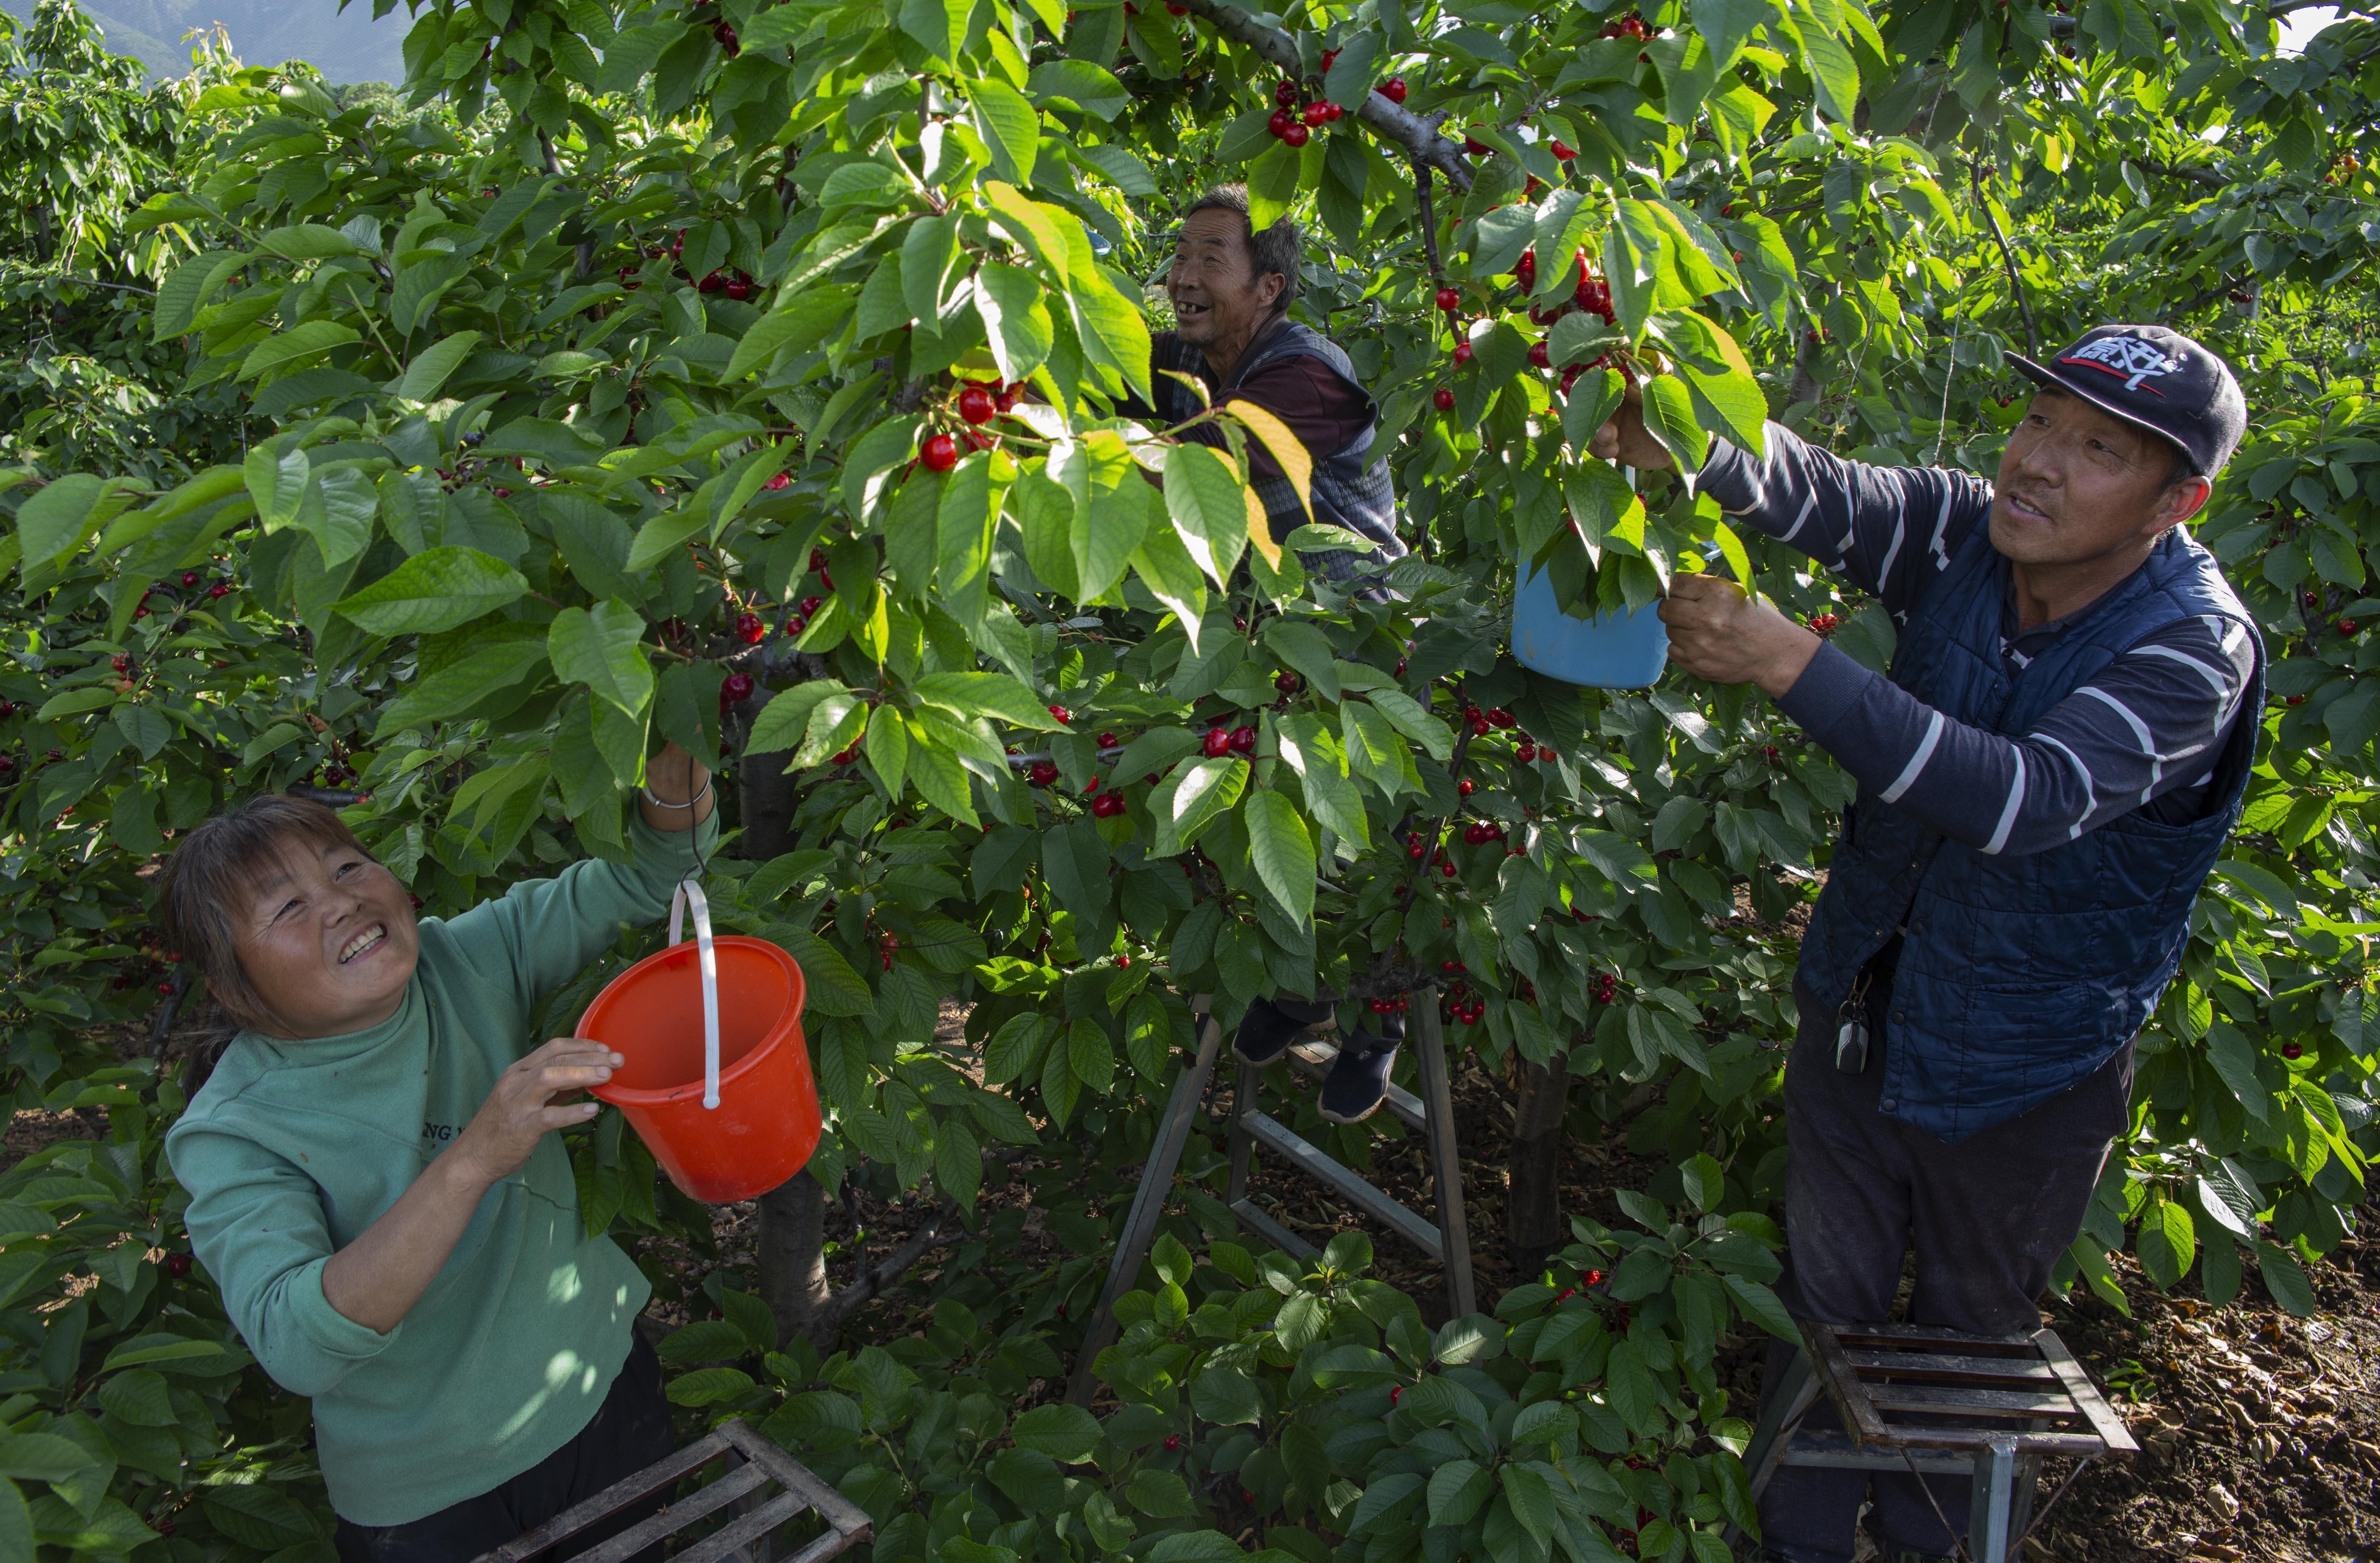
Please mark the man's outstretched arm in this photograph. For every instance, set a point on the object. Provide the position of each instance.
(1888, 530)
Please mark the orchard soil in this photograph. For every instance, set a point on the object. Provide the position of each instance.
(2260, 1433)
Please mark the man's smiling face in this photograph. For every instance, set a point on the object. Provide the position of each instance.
(1218, 298)
(328, 941)
(2079, 484)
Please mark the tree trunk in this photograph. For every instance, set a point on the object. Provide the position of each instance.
(793, 1261)
(793, 1215)
(1533, 1219)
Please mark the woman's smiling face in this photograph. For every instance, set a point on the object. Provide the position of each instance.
(328, 941)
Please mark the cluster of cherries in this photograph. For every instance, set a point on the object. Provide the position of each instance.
(1630, 26)
(1224, 739)
(1293, 125)
(979, 402)
(1460, 1004)
(1825, 624)
(8, 762)
(1479, 833)
(1395, 1006)
(153, 963)
(1606, 988)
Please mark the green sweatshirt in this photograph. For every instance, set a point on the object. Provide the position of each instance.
(293, 1148)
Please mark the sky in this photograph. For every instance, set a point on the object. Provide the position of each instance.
(2297, 29)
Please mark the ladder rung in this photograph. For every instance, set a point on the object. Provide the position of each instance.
(1321, 1168)
(1272, 1231)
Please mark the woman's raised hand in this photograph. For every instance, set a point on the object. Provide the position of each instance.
(525, 1106)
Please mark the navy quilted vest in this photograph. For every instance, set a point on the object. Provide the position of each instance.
(1351, 485)
(2019, 975)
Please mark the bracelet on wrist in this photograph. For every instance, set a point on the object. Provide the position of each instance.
(660, 802)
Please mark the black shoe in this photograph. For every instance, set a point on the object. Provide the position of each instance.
(1358, 1083)
(1265, 1033)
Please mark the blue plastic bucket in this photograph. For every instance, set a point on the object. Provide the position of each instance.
(1621, 651)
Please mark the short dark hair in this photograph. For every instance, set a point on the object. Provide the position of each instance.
(216, 869)
(1278, 249)
(2181, 468)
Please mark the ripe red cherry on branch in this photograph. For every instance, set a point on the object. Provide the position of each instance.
(1462, 353)
(726, 36)
(977, 404)
(218, 590)
(178, 1266)
(940, 453)
(1285, 94)
(1475, 146)
(781, 483)
(1173, 1442)
(1539, 358)
(1243, 740)
(189, 578)
(2345, 626)
(1296, 135)
(1280, 122)
(1443, 399)
(1394, 89)
(1041, 773)
(714, 283)
(1061, 714)
(739, 287)
(735, 687)
(1524, 269)
(1466, 786)
(629, 280)
(1107, 805)
(1315, 113)
(1449, 299)
(2292, 1051)
(1332, 113)
(1561, 153)
(750, 628)
(1216, 744)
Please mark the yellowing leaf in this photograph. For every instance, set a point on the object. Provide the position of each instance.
(1260, 530)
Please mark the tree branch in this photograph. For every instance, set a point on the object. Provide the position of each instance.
(2007, 260)
(872, 1283)
(2175, 171)
(1428, 218)
(1422, 142)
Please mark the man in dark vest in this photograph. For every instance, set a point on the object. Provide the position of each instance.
(1231, 289)
(2044, 778)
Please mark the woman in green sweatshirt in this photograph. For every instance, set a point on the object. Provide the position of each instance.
(375, 1184)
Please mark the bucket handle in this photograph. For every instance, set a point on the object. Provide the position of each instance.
(688, 892)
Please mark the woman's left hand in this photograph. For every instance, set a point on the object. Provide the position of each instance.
(677, 791)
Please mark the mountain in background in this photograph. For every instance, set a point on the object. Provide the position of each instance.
(343, 45)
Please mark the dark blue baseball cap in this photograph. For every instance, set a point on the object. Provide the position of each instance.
(2154, 378)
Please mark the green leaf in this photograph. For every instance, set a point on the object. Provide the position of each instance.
(1209, 508)
(1456, 1491)
(181, 296)
(304, 241)
(1066, 1434)
(2168, 1242)
(602, 648)
(939, 25)
(436, 589)
(1669, 417)
(296, 348)
(1009, 127)
(2286, 1280)
(1191, 803)
(971, 695)
(1282, 851)
(432, 366)
(1014, 318)
(56, 519)
(1833, 72)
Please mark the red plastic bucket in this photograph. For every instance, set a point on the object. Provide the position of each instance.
(766, 1122)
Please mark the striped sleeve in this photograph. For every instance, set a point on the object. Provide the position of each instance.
(1888, 530)
(2151, 723)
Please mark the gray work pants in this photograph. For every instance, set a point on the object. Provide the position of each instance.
(1988, 1218)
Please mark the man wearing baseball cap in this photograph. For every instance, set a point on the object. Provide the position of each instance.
(2045, 776)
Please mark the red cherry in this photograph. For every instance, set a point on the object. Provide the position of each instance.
(1466, 786)
(797, 623)
(2345, 626)
(940, 453)
(218, 590)
(1243, 741)
(818, 561)
(1110, 741)
(1006, 402)
(1062, 714)
(1449, 299)
(164, 988)
(1174, 9)
(1539, 358)
(739, 287)
(1417, 851)
(843, 757)
(1296, 136)
(177, 1265)
(1288, 682)
(715, 282)
(1525, 753)
(726, 36)
(1216, 744)
(735, 688)
(1332, 112)
(1315, 113)
(2291, 1050)
(1396, 1393)
(1285, 94)
(2292, 699)
(1173, 1442)
(781, 483)
(975, 403)
(1524, 269)
(1280, 122)
(189, 578)
(1041, 773)
(1442, 399)
(1462, 353)
(1394, 89)
(1561, 153)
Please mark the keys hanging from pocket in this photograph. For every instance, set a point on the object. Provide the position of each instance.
(1850, 1047)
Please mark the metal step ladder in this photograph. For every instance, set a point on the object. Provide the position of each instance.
(1431, 1112)
(1986, 1407)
